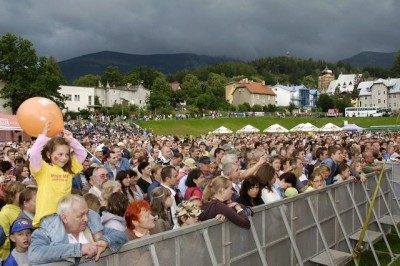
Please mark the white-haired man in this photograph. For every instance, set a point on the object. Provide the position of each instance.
(72, 233)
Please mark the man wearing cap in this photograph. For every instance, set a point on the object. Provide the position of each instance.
(98, 155)
(204, 166)
(229, 149)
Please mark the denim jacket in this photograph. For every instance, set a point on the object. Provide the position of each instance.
(50, 243)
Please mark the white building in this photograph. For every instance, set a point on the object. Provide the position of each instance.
(301, 96)
(84, 97)
(384, 93)
(344, 83)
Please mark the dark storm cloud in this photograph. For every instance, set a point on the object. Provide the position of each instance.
(243, 29)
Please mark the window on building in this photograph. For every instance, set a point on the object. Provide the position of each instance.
(379, 101)
(384, 92)
(384, 101)
(77, 98)
(394, 104)
(379, 92)
(90, 99)
(370, 105)
(394, 95)
(365, 97)
(390, 96)
(69, 97)
(390, 105)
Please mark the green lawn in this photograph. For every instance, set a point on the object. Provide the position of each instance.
(197, 127)
(367, 258)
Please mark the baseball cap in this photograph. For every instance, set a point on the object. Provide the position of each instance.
(204, 159)
(20, 225)
(229, 149)
(189, 162)
(100, 147)
(187, 208)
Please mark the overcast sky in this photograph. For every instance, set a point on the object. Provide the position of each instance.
(241, 29)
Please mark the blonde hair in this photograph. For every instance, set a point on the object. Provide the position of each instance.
(108, 188)
(322, 169)
(220, 182)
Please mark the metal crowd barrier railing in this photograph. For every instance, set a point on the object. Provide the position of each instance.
(318, 227)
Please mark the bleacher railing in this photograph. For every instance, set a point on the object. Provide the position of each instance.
(293, 231)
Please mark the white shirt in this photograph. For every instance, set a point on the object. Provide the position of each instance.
(269, 196)
(82, 239)
(97, 192)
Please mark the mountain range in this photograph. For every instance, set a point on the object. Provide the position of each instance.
(96, 63)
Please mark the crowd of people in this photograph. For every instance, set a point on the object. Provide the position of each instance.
(64, 198)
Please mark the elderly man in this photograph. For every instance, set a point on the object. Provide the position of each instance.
(72, 233)
(370, 165)
(99, 177)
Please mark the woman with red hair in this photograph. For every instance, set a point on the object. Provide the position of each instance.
(139, 220)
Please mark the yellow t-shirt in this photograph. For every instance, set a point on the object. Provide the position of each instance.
(53, 184)
(8, 215)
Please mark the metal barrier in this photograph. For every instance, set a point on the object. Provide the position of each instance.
(320, 226)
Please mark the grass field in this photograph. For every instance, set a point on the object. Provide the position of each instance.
(198, 127)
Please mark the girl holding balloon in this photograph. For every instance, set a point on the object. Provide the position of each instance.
(53, 166)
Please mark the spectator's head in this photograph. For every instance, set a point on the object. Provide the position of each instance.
(22, 172)
(27, 199)
(219, 188)
(13, 190)
(73, 211)
(52, 150)
(335, 153)
(266, 175)
(19, 161)
(143, 166)
(161, 201)
(250, 188)
(232, 171)
(187, 213)
(99, 176)
(20, 234)
(323, 170)
(92, 201)
(110, 187)
(156, 171)
(195, 178)
(316, 180)
(138, 216)
(117, 204)
(169, 176)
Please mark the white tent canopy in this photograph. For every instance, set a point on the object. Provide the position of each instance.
(222, 130)
(248, 129)
(307, 127)
(297, 128)
(329, 127)
(276, 128)
(352, 127)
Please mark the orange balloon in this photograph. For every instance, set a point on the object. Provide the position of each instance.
(33, 114)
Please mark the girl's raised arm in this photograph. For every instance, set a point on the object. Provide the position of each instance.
(35, 156)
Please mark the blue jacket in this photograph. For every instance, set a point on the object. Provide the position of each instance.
(50, 243)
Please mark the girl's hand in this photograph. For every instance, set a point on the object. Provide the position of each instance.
(46, 128)
(220, 217)
(68, 135)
